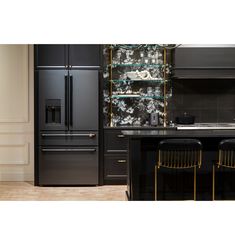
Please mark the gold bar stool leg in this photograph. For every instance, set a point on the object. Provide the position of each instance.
(155, 182)
(213, 184)
(195, 183)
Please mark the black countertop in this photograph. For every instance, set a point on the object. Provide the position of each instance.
(178, 133)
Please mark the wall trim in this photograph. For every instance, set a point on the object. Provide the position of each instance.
(25, 117)
(16, 176)
(25, 149)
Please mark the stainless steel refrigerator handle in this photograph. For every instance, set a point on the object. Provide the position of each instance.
(69, 135)
(67, 150)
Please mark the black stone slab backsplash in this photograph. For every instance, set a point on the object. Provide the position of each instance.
(207, 99)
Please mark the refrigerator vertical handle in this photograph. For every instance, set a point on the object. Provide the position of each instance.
(66, 100)
(71, 100)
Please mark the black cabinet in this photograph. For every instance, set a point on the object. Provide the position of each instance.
(51, 55)
(115, 157)
(67, 56)
(84, 55)
(115, 142)
(115, 167)
(204, 62)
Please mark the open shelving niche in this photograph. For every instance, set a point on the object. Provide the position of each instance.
(136, 84)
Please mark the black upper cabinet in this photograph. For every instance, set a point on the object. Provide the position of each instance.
(84, 55)
(67, 56)
(204, 62)
(51, 56)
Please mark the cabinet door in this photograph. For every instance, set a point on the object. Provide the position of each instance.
(84, 109)
(48, 55)
(53, 100)
(84, 55)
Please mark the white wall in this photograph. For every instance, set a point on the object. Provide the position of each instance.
(16, 113)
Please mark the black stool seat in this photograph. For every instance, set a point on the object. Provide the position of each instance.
(228, 144)
(180, 144)
(227, 153)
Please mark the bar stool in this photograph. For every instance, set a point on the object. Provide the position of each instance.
(226, 158)
(179, 154)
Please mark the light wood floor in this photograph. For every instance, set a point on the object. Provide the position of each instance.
(26, 191)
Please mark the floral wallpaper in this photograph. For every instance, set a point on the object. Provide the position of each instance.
(137, 82)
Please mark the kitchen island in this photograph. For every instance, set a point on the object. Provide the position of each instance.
(176, 184)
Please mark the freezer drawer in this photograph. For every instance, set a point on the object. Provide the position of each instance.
(68, 166)
(83, 138)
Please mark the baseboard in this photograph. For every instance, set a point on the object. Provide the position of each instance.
(17, 176)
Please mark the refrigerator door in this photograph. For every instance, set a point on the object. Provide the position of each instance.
(84, 90)
(53, 99)
(68, 165)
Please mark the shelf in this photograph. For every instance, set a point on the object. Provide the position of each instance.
(136, 65)
(130, 80)
(135, 96)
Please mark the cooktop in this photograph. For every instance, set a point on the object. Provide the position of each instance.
(206, 126)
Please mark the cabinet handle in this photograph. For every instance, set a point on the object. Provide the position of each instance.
(121, 161)
(120, 136)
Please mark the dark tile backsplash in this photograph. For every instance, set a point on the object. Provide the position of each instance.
(208, 100)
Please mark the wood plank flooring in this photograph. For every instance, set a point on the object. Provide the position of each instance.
(26, 191)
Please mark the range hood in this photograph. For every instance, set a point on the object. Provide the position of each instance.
(204, 62)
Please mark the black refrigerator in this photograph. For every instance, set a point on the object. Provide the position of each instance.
(68, 125)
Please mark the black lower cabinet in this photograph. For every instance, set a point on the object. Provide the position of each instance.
(115, 168)
(115, 157)
(68, 165)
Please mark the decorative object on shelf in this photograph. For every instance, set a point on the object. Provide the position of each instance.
(136, 84)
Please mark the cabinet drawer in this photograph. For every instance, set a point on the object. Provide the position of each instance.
(73, 138)
(115, 167)
(115, 142)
